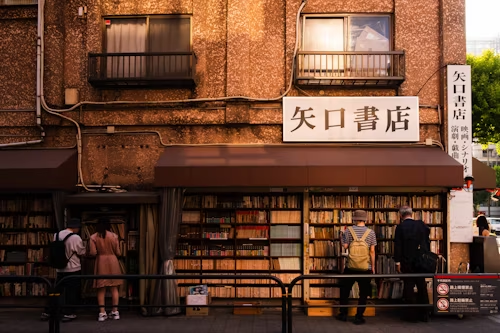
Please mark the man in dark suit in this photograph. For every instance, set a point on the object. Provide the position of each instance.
(409, 236)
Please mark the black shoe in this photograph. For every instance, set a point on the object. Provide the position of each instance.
(424, 318)
(359, 320)
(341, 317)
(45, 316)
(67, 318)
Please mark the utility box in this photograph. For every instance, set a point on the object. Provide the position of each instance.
(71, 96)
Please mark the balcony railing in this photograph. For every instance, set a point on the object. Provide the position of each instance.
(142, 69)
(386, 69)
(18, 2)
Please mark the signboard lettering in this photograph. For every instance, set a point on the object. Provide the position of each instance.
(351, 119)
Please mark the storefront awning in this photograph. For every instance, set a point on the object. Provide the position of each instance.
(484, 176)
(40, 169)
(284, 165)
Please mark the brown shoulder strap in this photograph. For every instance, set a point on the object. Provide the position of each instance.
(365, 235)
(353, 234)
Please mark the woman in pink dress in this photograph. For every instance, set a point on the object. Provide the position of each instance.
(105, 245)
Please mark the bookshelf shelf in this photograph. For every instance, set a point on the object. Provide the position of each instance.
(265, 233)
(27, 224)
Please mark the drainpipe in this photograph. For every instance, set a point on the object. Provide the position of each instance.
(38, 110)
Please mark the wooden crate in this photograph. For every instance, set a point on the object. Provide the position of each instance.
(329, 312)
(246, 308)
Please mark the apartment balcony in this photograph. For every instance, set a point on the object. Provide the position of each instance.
(154, 69)
(350, 69)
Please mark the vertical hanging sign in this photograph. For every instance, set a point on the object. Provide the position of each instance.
(460, 148)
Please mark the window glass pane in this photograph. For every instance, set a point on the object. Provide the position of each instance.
(126, 36)
(369, 33)
(170, 35)
(322, 34)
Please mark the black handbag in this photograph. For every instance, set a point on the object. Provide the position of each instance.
(426, 261)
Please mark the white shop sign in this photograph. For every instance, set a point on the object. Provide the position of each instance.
(460, 148)
(351, 119)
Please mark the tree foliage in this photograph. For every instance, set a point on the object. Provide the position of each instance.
(485, 70)
(497, 170)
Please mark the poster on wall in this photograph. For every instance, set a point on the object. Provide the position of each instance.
(459, 97)
(351, 119)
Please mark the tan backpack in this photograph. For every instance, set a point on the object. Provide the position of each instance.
(359, 252)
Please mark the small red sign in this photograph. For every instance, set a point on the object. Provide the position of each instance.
(107, 22)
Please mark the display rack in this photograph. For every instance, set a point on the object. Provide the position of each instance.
(241, 234)
(27, 225)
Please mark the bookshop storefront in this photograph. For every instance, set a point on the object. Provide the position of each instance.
(279, 209)
(33, 185)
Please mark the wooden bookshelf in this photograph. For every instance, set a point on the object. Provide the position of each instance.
(330, 214)
(241, 234)
(27, 225)
(124, 223)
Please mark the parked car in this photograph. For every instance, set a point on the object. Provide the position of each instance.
(494, 223)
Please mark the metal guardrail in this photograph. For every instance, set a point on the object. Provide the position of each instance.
(348, 276)
(56, 322)
(286, 299)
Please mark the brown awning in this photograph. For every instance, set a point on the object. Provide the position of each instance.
(38, 169)
(283, 165)
(484, 176)
(126, 198)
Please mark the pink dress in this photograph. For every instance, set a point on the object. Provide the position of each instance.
(106, 251)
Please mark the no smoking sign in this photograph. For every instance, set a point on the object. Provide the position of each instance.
(443, 289)
(443, 304)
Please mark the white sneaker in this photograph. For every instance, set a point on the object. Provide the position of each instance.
(102, 317)
(114, 315)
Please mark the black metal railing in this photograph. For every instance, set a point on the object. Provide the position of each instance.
(55, 305)
(153, 68)
(350, 68)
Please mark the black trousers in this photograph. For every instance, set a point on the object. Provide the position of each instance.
(410, 298)
(70, 292)
(365, 290)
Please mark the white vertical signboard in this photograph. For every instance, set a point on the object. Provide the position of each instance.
(459, 95)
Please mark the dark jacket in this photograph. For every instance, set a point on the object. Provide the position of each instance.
(409, 235)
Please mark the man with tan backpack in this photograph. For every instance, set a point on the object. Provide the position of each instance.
(360, 241)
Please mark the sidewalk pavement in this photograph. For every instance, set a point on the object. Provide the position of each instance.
(220, 321)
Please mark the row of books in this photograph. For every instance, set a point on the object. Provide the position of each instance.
(326, 248)
(286, 264)
(238, 264)
(26, 203)
(260, 217)
(284, 277)
(25, 221)
(325, 232)
(222, 251)
(358, 201)
(30, 269)
(323, 264)
(243, 292)
(23, 289)
(30, 238)
(285, 249)
(285, 231)
(214, 201)
(374, 201)
(337, 216)
(21, 256)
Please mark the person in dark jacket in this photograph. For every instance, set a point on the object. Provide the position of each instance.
(411, 234)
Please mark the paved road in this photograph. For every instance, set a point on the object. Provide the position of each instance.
(223, 322)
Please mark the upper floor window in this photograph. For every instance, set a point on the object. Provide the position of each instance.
(349, 47)
(145, 50)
